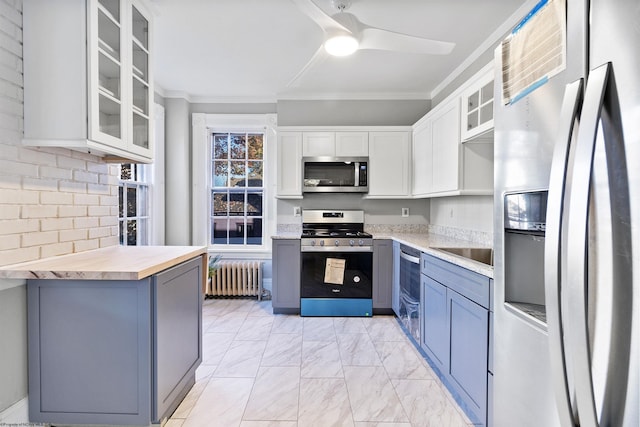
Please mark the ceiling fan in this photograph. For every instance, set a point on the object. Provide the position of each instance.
(344, 34)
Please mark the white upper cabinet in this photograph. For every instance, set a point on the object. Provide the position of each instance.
(446, 147)
(289, 165)
(352, 144)
(389, 165)
(444, 162)
(88, 77)
(422, 158)
(317, 144)
(477, 107)
(335, 144)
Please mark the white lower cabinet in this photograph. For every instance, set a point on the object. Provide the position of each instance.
(389, 165)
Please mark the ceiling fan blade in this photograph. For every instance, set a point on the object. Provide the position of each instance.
(325, 22)
(376, 38)
(317, 58)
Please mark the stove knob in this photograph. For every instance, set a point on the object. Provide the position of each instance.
(337, 242)
(361, 242)
(351, 242)
(313, 243)
(321, 242)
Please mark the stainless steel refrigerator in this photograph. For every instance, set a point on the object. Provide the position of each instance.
(567, 227)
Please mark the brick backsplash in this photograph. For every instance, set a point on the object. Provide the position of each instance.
(52, 201)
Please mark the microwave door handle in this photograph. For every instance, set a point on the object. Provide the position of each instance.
(601, 105)
(554, 266)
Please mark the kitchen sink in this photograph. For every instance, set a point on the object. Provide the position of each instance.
(483, 255)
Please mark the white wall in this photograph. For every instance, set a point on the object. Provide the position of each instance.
(466, 212)
(52, 202)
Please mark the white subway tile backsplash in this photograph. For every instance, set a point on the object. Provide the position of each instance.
(73, 186)
(86, 222)
(56, 249)
(51, 199)
(55, 172)
(16, 226)
(86, 245)
(50, 224)
(86, 199)
(39, 238)
(56, 198)
(10, 212)
(99, 211)
(73, 235)
(73, 211)
(10, 242)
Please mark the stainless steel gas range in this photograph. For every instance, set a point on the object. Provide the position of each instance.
(336, 264)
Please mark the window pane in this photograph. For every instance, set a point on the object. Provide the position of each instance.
(220, 173)
(219, 205)
(120, 202)
(121, 231)
(220, 146)
(219, 233)
(131, 202)
(254, 231)
(254, 204)
(131, 233)
(125, 171)
(236, 204)
(236, 231)
(237, 174)
(255, 147)
(238, 145)
(254, 173)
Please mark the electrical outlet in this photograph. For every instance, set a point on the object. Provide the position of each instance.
(405, 212)
(297, 211)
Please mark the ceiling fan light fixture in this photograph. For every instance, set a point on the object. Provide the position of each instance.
(341, 45)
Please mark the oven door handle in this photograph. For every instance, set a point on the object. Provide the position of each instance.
(412, 259)
(336, 249)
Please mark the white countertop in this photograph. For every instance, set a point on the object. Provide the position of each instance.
(111, 263)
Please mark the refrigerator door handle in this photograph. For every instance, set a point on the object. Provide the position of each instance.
(554, 247)
(601, 106)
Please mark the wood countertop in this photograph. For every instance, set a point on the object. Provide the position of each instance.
(111, 263)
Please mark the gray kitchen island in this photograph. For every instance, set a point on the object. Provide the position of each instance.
(114, 334)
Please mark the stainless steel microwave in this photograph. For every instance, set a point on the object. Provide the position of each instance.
(335, 174)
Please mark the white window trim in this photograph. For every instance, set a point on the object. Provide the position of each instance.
(202, 127)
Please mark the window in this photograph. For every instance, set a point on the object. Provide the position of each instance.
(237, 188)
(133, 211)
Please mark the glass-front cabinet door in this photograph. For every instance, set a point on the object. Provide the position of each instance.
(120, 89)
(107, 68)
(477, 108)
(141, 100)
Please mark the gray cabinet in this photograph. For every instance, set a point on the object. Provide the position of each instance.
(395, 285)
(456, 331)
(285, 296)
(435, 339)
(113, 351)
(382, 276)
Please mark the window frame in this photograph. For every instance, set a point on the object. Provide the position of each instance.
(143, 181)
(244, 190)
(203, 126)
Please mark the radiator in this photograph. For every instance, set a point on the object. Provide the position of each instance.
(237, 278)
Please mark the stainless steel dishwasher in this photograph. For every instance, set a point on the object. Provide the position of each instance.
(410, 291)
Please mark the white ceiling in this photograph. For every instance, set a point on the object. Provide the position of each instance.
(249, 50)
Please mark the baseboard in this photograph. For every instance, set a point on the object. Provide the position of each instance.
(17, 414)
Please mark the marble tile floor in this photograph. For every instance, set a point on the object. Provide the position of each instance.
(266, 370)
